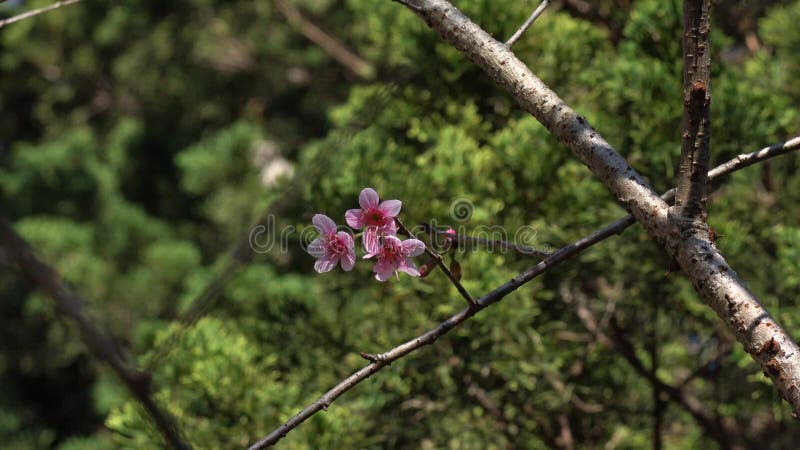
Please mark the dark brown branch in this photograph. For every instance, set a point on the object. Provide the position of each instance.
(440, 262)
(696, 136)
(534, 15)
(101, 345)
(36, 12)
(720, 430)
(741, 311)
(716, 428)
(381, 360)
(331, 45)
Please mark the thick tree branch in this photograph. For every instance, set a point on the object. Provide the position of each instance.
(36, 12)
(696, 136)
(100, 344)
(380, 361)
(527, 24)
(761, 336)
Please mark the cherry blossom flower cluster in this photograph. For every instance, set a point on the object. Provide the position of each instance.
(380, 240)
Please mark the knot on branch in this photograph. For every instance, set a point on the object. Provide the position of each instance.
(373, 358)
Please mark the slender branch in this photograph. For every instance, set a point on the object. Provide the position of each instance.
(36, 12)
(760, 334)
(486, 402)
(534, 15)
(330, 44)
(720, 430)
(100, 344)
(696, 135)
(490, 244)
(379, 361)
(716, 428)
(440, 262)
(748, 159)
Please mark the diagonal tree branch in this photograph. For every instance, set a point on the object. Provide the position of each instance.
(721, 288)
(100, 344)
(382, 360)
(330, 44)
(696, 137)
(719, 430)
(36, 12)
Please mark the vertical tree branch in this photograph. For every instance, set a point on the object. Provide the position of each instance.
(659, 406)
(696, 135)
(100, 344)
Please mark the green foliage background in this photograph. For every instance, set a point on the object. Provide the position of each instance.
(133, 152)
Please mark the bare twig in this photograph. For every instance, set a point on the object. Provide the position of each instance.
(716, 428)
(330, 44)
(379, 361)
(720, 430)
(440, 262)
(696, 135)
(36, 12)
(490, 244)
(534, 15)
(741, 311)
(100, 344)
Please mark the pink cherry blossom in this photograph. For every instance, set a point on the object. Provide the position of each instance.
(377, 218)
(331, 247)
(393, 255)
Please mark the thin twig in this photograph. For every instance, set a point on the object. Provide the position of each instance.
(440, 262)
(722, 431)
(331, 45)
(462, 240)
(36, 12)
(100, 344)
(716, 428)
(381, 360)
(535, 15)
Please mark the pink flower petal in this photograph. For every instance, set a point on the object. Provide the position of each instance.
(368, 198)
(413, 247)
(389, 228)
(317, 248)
(392, 240)
(323, 223)
(348, 260)
(408, 267)
(372, 241)
(390, 208)
(355, 218)
(383, 270)
(326, 263)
